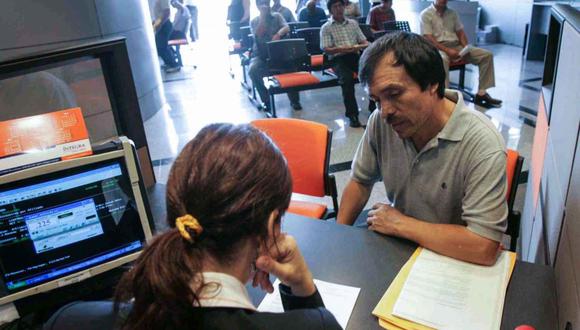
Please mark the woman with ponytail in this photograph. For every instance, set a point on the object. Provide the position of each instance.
(226, 194)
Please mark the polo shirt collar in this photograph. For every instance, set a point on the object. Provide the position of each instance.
(332, 21)
(454, 129)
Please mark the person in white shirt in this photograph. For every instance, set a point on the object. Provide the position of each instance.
(441, 25)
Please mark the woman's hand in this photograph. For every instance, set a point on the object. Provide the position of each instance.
(283, 259)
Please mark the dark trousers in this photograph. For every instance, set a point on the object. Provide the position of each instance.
(345, 66)
(257, 71)
(161, 41)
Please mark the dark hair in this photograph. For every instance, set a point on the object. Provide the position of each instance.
(230, 178)
(420, 58)
(329, 3)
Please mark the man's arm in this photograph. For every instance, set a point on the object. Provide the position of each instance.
(462, 37)
(284, 27)
(454, 241)
(354, 198)
(160, 20)
(484, 210)
(452, 53)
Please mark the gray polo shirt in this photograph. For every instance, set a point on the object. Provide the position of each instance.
(443, 28)
(459, 177)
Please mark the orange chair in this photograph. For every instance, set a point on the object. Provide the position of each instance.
(306, 146)
(514, 169)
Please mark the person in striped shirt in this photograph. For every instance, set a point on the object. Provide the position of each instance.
(342, 39)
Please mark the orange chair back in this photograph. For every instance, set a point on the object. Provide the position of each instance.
(512, 161)
(304, 143)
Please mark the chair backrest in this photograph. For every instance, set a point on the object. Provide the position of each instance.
(288, 55)
(246, 37)
(235, 33)
(397, 26)
(296, 26)
(366, 30)
(312, 38)
(514, 169)
(306, 146)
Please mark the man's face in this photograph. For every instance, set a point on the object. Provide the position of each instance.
(337, 10)
(387, 4)
(440, 3)
(263, 6)
(400, 99)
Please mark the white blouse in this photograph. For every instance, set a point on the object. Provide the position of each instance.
(223, 290)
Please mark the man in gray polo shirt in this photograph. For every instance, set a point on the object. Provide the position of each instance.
(443, 166)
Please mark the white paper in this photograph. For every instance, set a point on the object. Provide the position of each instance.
(465, 50)
(338, 299)
(445, 293)
(8, 313)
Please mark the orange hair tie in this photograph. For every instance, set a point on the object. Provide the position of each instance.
(187, 221)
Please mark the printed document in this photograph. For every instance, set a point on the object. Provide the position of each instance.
(338, 299)
(444, 293)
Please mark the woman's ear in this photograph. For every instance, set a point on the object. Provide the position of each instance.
(273, 224)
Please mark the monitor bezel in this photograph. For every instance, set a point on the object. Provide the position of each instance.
(124, 155)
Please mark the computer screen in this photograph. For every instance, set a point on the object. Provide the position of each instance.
(65, 222)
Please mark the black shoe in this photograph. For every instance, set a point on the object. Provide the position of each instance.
(486, 100)
(354, 122)
(296, 106)
(172, 69)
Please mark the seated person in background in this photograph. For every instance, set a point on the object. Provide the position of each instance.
(442, 27)
(381, 14)
(312, 14)
(163, 27)
(223, 235)
(351, 9)
(285, 12)
(267, 27)
(342, 39)
(443, 165)
(181, 21)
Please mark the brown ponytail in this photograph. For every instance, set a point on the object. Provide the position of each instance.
(230, 178)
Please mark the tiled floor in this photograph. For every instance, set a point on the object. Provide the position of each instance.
(208, 94)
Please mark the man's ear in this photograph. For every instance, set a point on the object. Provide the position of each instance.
(433, 89)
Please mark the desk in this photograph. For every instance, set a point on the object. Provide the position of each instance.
(361, 258)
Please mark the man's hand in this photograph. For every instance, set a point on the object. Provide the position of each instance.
(283, 259)
(385, 219)
(453, 54)
(276, 36)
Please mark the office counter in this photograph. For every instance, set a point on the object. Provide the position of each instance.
(361, 258)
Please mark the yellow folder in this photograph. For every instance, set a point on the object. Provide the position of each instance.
(384, 309)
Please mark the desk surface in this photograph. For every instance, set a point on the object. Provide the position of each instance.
(361, 258)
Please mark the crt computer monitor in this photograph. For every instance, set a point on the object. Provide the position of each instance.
(64, 222)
